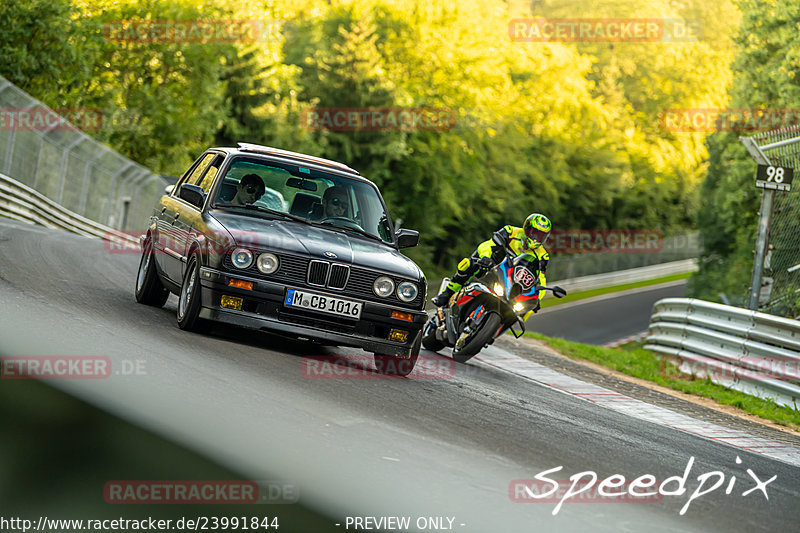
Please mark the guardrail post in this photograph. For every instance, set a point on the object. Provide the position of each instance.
(111, 188)
(86, 175)
(64, 163)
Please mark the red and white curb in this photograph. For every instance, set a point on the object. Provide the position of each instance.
(626, 340)
(498, 358)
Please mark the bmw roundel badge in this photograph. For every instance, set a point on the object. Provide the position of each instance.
(331, 255)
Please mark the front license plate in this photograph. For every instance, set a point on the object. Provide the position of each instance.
(324, 304)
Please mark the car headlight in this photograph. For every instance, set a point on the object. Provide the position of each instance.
(242, 258)
(383, 286)
(407, 291)
(267, 263)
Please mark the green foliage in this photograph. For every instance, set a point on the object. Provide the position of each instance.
(766, 69)
(567, 129)
(43, 48)
(166, 99)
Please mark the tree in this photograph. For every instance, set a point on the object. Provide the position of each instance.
(766, 77)
(44, 49)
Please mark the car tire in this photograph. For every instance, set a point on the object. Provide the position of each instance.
(398, 365)
(149, 290)
(189, 297)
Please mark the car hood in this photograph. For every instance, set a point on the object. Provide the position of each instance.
(314, 241)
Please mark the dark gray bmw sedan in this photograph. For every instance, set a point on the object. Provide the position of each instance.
(269, 239)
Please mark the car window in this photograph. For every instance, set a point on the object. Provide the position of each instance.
(207, 179)
(183, 179)
(316, 196)
(198, 170)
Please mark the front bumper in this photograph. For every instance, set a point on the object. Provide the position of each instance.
(263, 308)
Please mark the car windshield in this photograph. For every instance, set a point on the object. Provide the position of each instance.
(308, 194)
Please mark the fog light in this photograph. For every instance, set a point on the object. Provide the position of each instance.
(231, 302)
(403, 316)
(240, 284)
(398, 335)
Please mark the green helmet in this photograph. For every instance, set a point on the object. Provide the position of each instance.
(537, 230)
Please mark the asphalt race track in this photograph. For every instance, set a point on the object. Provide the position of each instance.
(445, 447)
(603, 319)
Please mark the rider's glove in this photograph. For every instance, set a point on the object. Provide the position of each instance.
(485, 263)
(501, 237)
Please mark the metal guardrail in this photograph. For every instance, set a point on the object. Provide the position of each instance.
(43, 150)
(744, 350)
(20, 202)
(631, 275)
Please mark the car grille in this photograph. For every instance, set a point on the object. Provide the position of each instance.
(339, 275)
(303, 272)
(318, 273)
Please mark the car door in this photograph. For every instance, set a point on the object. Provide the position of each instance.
(172, 237)
(188, 220)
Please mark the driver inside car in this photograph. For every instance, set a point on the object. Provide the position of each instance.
(335, 203)
(249, 189)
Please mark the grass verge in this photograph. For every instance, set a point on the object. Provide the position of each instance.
(551, 301)
(635, 361)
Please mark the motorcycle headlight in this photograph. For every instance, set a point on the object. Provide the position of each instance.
(518, 307)
(407, 291)
(383, 286)
(242, 258)
(498, 289)
(267, 263)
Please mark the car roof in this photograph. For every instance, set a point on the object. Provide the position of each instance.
(291, 157)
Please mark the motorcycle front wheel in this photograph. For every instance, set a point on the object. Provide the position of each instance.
(477, 339)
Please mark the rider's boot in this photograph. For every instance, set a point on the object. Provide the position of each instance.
(443, 299)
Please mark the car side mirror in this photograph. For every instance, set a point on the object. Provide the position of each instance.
(407, 238)
(193, 194)
(168, 189)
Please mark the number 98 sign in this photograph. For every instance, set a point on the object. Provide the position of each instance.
(772, 177)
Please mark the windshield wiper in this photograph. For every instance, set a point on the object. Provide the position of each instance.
(348, 228)
(268, 210)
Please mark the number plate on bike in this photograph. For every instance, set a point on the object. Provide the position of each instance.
(323, 304)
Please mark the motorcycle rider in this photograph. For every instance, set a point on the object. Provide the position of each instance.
(530, 238)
